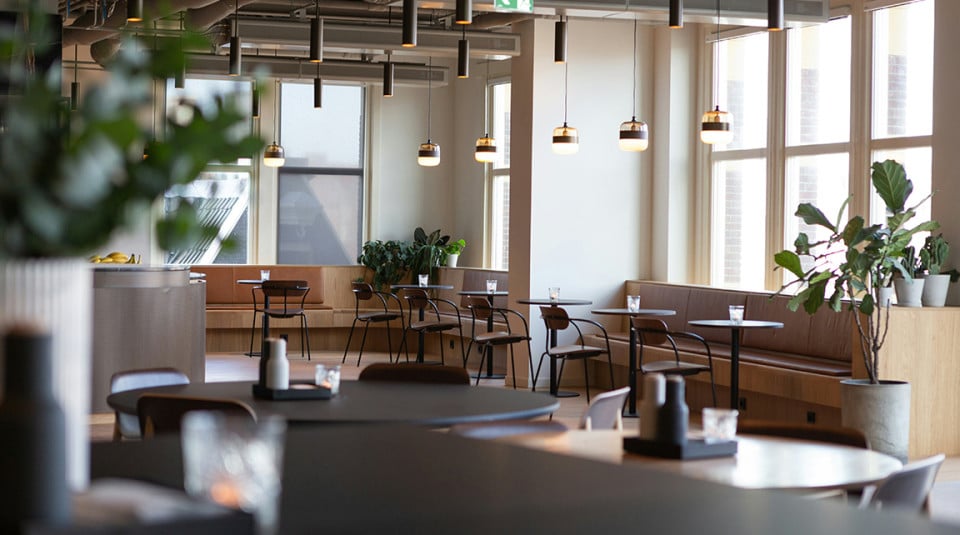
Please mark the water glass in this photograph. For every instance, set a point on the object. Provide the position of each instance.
(423, 279)
(328, 377)
(633, 303)
(491, 286)
(554, 293)
(719, 425)
(736, 314)
(236, 463)
(264, 274)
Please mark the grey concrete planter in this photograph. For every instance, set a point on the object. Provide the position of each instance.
(935, 290)
(881, 412)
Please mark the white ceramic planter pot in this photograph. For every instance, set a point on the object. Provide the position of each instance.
(887, 296)
(57, 294)
(881, 412)
(452, 260)
(935, 290)
(909, 293)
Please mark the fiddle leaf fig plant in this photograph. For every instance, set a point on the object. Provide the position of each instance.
(934, 255)
(69, 179)
(851, 262)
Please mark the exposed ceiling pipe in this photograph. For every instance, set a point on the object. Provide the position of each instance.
(487, 21)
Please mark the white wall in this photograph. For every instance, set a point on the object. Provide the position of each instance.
(583, 211)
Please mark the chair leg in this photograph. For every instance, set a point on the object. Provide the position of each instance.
(610, 367)
(483, 358)
(389, 342)
(513, 368)
(363, 340)
(586, 379)
(713, 387)
(349, 337)
(537, 374)
(443, 362)
(306, 336)
(253, 332)
(530, 361)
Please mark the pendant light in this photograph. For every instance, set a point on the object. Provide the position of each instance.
(409, 24)
(676, 13)
(774, 15)
(273, 155)
(429, 153)
(566, 140)
(134, 10)
(316, 37)
(179, 79)
(388, 77)
(464, 12)
(463, 55)
(717, 126)
(633, 133)
(255, 100)
(486, 149)
(235, 67)
(75, 85)
(560, 41)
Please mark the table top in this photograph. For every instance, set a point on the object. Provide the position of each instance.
(639, 312)
(559, 302)
(250, 281)
(367, 479)
(436, 405)
(424, 287)
(760, 463)
(482, 293)
(745, 324)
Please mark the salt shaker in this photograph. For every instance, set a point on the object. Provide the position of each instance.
(654, 393)
(278, 367)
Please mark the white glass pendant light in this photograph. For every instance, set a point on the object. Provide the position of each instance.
(633, 133)
(428, 154)
(716, 127)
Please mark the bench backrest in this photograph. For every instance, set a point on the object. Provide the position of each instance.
(222, 287)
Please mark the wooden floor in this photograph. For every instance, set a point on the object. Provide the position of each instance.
(945, 498)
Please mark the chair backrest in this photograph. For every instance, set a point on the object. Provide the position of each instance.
(650, 331)
(363, 291)
(555, 318)
(604, 411)
(415, 373)
(416, 298)
(844, 436)
(127, 425)
(509, 428)
(285, 288)
(160, 413)
(479, 307)
(909, 488)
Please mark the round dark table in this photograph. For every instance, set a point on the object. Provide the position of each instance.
(735, 327)
(631, 410)
(435, 405)
(554, 387)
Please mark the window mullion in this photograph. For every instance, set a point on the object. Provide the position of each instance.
(776, 140)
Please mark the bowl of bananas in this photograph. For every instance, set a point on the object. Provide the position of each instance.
(116, 257)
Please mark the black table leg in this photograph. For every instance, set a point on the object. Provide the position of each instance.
(554, 385)
(631, 411)
(420, 339)
(266, 326)
(489, 349)
(735, 369)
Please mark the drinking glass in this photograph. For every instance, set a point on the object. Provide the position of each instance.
(554, 293)
(736, 314)
(264, 274)
(719, 425)
(491, 286)
(633, 303)
(328, 377)
(423, 279)
(236, 463)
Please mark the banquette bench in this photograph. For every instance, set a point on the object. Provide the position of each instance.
(791, 373)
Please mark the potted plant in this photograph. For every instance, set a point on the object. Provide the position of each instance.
(909, 286)
(69, 179)
(933, 256)
(452, 252)
(389, 261)
(427, 252)
(845, 271)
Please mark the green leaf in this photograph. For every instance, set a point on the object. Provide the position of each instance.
(812, 215)
(789, 261)
(890, 181)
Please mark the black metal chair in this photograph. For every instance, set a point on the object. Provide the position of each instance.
(557, 319)
(127, 426)
(429, 319)
(654, 333)
(293, 294)
(382, 314)
(161, 413)
(411, 372)
(486, 340)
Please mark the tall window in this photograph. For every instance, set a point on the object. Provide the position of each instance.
(499, 176)
(739, 169)
(221, 195)
(321, 186)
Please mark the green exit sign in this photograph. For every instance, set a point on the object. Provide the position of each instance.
(525, 6)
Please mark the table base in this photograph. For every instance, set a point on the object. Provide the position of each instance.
(565, 394)
(485, 375)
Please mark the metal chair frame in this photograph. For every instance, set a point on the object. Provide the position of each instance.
(482, 311)
(127, 426)
(284, 289)
(363, 291)
(654, 332)
(556, 318)
(418, 300)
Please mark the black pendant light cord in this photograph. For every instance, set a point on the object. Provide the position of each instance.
(634, 70)
(566, 71)
(716, 62)
(429, 93)
(276, 118)
(486, 102)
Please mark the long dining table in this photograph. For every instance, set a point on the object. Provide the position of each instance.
(434, 405)
(392, 479)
